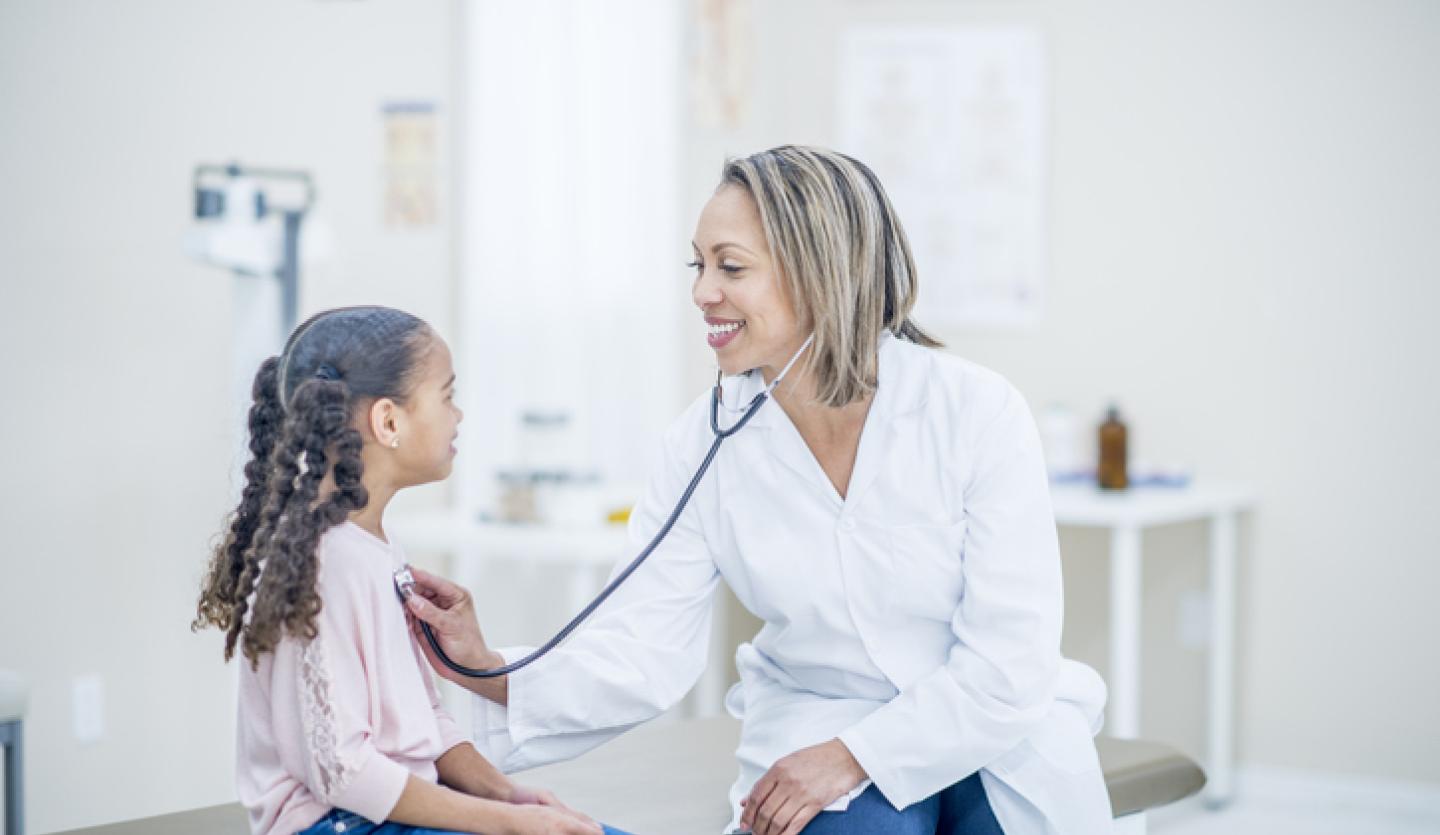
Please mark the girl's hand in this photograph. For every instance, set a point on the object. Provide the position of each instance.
(450, 611)
(543, 820)
(543, 797)
(798, 787)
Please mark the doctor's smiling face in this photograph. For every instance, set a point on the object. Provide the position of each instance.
(748, 319)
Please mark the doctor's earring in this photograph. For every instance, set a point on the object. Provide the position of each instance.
(394, 443)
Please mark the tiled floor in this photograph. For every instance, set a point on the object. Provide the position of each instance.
(1284, 817)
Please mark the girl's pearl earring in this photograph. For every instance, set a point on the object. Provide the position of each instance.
(395, 443)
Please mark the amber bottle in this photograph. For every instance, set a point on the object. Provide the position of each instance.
(1111, 472)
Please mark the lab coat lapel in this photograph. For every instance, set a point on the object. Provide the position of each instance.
(782, 440)
(876, 439)
(790, 449)
(899, 391)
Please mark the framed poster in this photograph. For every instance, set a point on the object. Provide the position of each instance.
(954, 123)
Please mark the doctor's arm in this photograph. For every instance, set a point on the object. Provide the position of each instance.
(999, 680)
(637, 656)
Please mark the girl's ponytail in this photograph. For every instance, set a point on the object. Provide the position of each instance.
(306, 399)
(318, 424)
(218, 597)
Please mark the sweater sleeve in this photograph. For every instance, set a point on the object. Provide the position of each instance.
(450, 733)
(322, 681)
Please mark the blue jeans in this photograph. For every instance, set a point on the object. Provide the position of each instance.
(341, 822)
(962, 809)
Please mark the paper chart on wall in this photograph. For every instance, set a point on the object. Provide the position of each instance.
(412, 171)
(953, 122)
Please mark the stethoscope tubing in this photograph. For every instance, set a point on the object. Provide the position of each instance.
(720, 435)
(506, 669)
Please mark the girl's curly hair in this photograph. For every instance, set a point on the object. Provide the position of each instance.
(305, 402)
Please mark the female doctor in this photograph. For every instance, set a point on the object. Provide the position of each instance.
(887, 517)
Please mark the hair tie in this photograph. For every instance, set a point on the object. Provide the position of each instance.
(326, 371)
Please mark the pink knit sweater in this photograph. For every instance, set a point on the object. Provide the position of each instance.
(344, 719)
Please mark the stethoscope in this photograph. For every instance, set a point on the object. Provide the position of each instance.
(405, 580)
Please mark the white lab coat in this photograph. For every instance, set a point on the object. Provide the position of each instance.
(918, 619)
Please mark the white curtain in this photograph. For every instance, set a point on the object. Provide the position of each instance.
(570, 254)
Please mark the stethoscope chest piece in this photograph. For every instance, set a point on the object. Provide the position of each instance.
(404, 582)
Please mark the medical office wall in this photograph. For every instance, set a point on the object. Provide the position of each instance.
(115, 344)
(1243, 203)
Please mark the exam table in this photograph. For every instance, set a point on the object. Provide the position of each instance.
(671, 777)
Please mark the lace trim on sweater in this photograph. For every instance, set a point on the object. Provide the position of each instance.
(317, 711)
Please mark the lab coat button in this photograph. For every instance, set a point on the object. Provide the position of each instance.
(847, 524)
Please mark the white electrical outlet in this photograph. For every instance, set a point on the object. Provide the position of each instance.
(89, 704)
(1194, 625)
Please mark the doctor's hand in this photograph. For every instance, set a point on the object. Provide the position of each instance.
(450, 611)
(798, 787)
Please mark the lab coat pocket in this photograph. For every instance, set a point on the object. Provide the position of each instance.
(927, 570)
(1064, 741)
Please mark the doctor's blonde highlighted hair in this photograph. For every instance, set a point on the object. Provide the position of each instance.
(843, 259)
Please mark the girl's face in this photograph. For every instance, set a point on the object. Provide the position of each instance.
(426, 426)
(749, 321)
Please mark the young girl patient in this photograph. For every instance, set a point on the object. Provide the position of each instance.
(340, 726)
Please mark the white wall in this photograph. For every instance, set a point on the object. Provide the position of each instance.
(1245, 204)
(115, 346)
(1245, 200)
